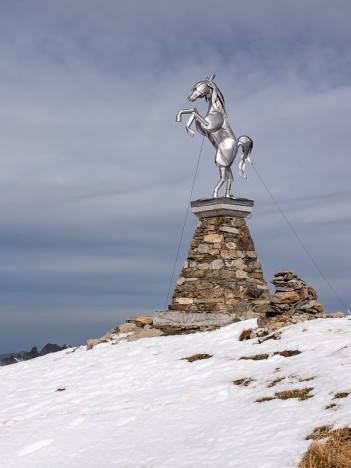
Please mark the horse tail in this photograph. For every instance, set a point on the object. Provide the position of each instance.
(246, 145)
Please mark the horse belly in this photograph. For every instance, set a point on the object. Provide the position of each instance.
(226, 153)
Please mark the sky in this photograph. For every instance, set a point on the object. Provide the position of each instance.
(95, 174)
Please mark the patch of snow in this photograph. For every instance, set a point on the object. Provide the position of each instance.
(139, 404)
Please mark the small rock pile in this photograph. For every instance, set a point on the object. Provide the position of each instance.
(293, 302)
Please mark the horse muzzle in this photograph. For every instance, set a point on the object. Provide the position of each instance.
(193, 96)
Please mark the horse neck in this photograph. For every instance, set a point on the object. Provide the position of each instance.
(212, 107)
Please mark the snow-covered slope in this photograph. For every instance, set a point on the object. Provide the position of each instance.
(138, 404)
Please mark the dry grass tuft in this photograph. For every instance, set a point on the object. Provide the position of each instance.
(341, 395)
(300, 393)
(61, 389)
(245, 335)
(320, 432)
(197, 357)
(288, 352)
(307, 379)
(275, 382)
(331, 405)
(261, 400)
(243, 382)
(257, 357)
(333, 453)
(272, 336)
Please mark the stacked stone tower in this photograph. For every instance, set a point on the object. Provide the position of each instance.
(222, 280)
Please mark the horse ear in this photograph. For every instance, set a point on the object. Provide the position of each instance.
(211, 78)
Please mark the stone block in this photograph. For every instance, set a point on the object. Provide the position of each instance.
(139, 321)
(285, 297)
(192, 320)
(230, 229)
(127, 327)
(184, 300)
(190, 273)
(203, 248)
(207, 301)
(313, 305)
(213, 238)
(217, 264)
(149, 333)
(228, 254)
(241, 274)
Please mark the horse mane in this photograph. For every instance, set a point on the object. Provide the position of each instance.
(216, 94)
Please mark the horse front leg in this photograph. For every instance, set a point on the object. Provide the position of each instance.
(195, 113)
(188, 125)
(182, 112)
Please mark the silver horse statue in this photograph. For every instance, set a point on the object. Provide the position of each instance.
(216, 128)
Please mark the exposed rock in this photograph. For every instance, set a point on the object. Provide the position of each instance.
(337, 314)
(246, 334)
(288, 297)
(134, 329)
(140, 320)
(293, 302)
(128, 327)
(145, 333)
(52, 348)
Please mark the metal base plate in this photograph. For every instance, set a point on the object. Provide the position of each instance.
(222, 206)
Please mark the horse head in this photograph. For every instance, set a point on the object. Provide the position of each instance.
(202, 89)
(207, 89)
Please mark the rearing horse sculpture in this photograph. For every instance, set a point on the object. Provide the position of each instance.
(216, 128)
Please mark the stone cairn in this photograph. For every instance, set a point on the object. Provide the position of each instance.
(293, 302)
(222, 272)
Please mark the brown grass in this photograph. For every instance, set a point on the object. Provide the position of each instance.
(261, 400)
(243, 382)
(275, 382)
(288, 352)
(341, 395)
(331, 405)
(197, 357)
(300, 393)
(307, 379)
(61, 389)
(320, 432)
(335, 452)
(257, 357)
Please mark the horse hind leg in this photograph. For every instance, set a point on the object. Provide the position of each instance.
(230, 179)
(220, 182)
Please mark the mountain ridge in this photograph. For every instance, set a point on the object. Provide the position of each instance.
(13, 358)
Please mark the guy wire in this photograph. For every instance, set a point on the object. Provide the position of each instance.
(185, 218)
(300, 241)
